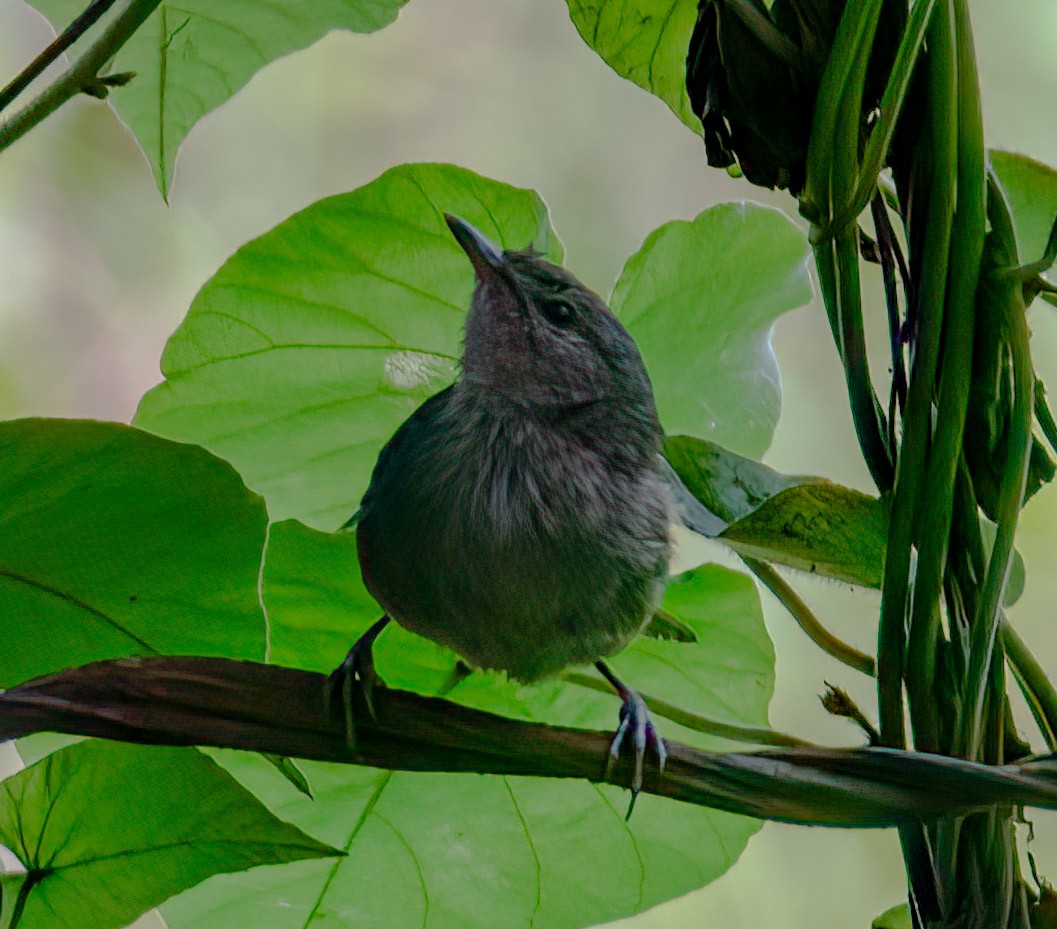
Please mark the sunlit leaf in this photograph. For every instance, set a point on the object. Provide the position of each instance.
(308, 348)
(644, 41)
(897, 917)
(701, 299)
(190, 57)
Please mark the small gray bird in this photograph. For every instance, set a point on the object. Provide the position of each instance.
(521, 516)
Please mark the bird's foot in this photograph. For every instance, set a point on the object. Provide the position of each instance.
(635, 728)
(357, 668)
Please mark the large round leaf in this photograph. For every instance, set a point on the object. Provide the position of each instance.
(701, 299)
(190, 57)
(115, 542)
(314, 342)
(467, 851)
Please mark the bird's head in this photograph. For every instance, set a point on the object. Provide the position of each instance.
(538, 337)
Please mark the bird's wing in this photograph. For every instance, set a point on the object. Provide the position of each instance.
(402, 441)
(690, 511)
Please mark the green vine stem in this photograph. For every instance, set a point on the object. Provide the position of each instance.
(81, 74)
(807, 620)
(1037, 688)
(930, 300)
(749, 734)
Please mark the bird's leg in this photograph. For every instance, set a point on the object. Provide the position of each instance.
(634, 725)
(357, 666)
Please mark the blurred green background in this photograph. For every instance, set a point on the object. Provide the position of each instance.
(96, 271)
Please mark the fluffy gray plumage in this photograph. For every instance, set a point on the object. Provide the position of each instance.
(521, 516)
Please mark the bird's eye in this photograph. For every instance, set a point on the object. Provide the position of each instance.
(558, 312)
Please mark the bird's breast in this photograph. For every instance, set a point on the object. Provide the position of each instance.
(520, 551)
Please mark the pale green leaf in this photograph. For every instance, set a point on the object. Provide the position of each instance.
(644, 41)
(189, 57)
(463, 851)
(701, 299)
(310, 346)
(1031, 188)
(896, 917)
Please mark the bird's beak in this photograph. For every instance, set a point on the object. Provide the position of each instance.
(486, 257)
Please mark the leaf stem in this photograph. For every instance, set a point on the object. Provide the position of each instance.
(86, 69)
(753, 735)
(1034, 684)
(807, 620)
(891, 105)
(32, 878)
(1044, 415)
(1010, 497)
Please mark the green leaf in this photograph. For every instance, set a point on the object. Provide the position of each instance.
(311, 345)
(1017, 575)
(293, 774)
(805, 523)
(701, 299)
(114, 542)
(190, 57)
(897, 917)
(434, 849)
(730, 485)
(1031, 188)
(108, 831)
(800, 522)
(818, 527)
(644, 41)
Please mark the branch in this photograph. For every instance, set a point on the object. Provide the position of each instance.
(84, 73)
(265, 708)
(51, 54)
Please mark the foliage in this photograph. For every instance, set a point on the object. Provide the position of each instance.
(306, 350)
(99, 863)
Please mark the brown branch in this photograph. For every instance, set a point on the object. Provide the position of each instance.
(266, 708)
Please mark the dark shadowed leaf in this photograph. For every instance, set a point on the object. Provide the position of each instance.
(818, 527)
(107, 831)
(115, 542)
(801, 522)
(731, 486)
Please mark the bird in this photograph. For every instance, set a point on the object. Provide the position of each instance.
(521, 516)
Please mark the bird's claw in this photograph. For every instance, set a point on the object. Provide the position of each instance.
(635, 725)
(357, 667)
